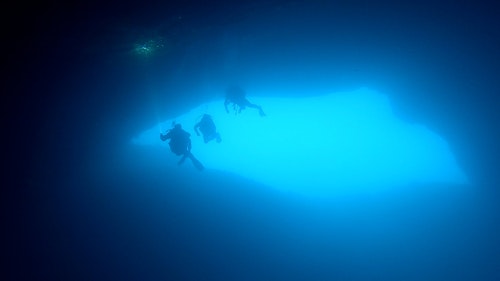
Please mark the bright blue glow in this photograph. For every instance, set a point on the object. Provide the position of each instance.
(332, 142)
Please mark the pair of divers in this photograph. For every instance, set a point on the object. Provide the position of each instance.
(180, 140)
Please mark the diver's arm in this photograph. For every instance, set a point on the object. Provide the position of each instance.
(196, 128)
(166, 136)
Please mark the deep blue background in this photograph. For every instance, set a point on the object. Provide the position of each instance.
(76, 208)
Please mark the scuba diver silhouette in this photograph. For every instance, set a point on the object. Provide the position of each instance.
(180, 144)
(236, 96)
(207, 128)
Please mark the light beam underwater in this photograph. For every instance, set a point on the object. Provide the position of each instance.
(331, 142)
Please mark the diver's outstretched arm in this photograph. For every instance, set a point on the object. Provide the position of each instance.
(165, 137)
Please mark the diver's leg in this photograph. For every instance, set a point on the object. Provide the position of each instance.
(261, 112)
(183, 158)
(196, 163)
(252, 105)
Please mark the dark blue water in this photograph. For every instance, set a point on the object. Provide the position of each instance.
(82, 203)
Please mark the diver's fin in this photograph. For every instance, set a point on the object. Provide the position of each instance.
(197, 164)
(261, 112)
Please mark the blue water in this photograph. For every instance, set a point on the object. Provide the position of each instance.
(376, 160)
(339, 142)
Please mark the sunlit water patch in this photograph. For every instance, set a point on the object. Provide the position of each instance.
(332, 142)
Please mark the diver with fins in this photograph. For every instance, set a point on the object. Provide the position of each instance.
(180, 144)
